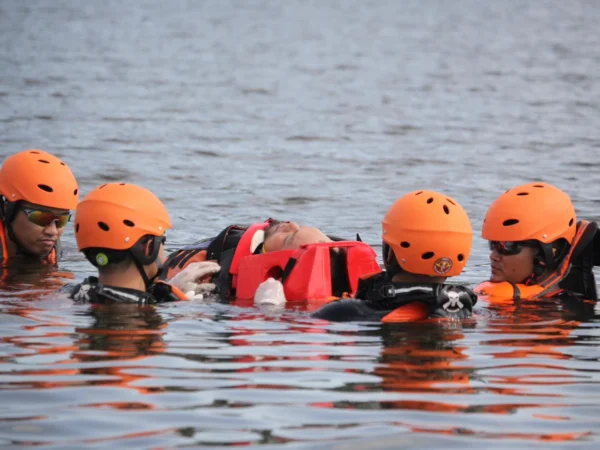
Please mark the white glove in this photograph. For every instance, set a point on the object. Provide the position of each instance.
(270, 292)
(187, 279)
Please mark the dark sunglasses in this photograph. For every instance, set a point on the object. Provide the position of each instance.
(508, 248)
(46, 218)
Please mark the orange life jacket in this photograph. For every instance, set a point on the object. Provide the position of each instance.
(251, 239)
(306, 273)
(322, 271)
(559, 280)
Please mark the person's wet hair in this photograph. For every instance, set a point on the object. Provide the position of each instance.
(271, 228)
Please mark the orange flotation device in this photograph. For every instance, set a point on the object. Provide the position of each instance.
(249, 241)
(510, 291)
(412, 312)
(550, 284)
(314, 273)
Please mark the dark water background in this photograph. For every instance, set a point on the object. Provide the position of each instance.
(323, 112)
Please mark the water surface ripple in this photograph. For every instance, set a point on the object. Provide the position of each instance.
(322, 112)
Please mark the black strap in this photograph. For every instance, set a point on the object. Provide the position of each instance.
(516, 291)
(2, 244)
(222, 279)
(225, 240)
(589, 238)
(288, 269)
(596, 246)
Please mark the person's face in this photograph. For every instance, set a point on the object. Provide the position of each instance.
(278, 236)
(38, 228)
(290, 236)
(514, 268)
(305, 235)
(161, 252)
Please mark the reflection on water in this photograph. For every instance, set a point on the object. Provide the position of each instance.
(206, 374)
(322, 113)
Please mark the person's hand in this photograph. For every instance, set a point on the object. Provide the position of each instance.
(189, 280)
(201, 291)
(270, 292)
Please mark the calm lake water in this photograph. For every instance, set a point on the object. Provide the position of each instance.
(323, 112)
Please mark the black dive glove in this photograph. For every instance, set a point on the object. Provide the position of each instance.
(453, 301)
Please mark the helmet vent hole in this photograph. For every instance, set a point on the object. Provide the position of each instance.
(102, 186)
(419, 193)
(35, 153)
(446, 209)
(121, 184)
(129, 223)
(75, 191)
(77, 228)
(404, 244)
(103, 226)
(45, 187)
(62, 163)
(427, 255)
(523, 193)
(44, 161)
(571, 222)
(510, 222)
(538, 185)
(430, 200)
(450, 201)
(460, 257)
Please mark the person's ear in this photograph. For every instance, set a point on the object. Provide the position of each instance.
(148, 247)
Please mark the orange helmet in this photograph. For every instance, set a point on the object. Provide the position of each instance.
(429, 234)
(537, 211)
(38, 177)
(115, 216)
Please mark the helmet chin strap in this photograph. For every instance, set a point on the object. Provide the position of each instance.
(548, 258)
(140, 267)
(160, 269)
(392, 267)
(139, 258)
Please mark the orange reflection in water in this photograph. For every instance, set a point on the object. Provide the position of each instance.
(107, 353)
(123, 336)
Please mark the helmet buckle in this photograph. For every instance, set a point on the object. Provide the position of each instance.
(387, 291)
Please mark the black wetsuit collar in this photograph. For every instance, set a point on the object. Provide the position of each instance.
(91, 290)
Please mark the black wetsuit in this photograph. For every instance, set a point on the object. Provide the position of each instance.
(92, 291)
(378, 296)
